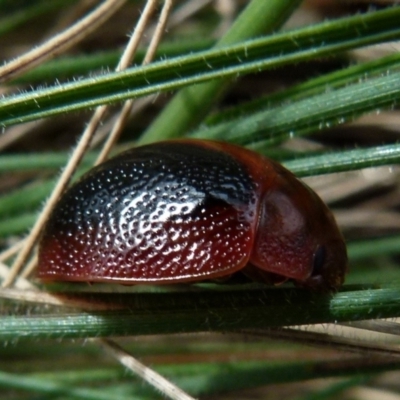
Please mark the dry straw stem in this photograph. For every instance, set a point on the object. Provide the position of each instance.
(326, 340)
(127, 107)
(153, 378)
(16, 132)
(186, 10)
(11, 251)
(62, 42)
(20, 283)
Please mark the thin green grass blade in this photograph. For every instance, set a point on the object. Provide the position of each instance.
(309, 115)
(303, 44)
(216, 310)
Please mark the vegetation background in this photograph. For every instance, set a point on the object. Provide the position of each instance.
(314, 84)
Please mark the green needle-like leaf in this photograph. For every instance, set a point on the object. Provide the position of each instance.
(222, 310)
(255, 55)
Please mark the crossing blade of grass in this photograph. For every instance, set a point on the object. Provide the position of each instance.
(218, 310)
(334, 80)
(310, 115)
(346, 160)
(253, 56)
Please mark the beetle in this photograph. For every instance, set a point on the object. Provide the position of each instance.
(190, 210)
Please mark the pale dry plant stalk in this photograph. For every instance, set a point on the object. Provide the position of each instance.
(62, 42)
